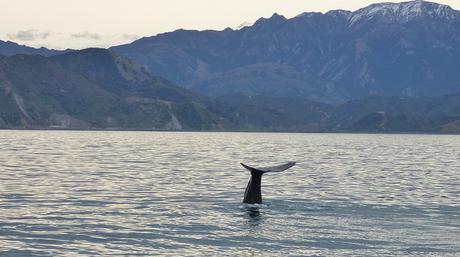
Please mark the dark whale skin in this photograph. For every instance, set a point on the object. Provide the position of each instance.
(253, 193)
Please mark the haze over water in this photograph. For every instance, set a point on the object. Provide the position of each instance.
(145, 193)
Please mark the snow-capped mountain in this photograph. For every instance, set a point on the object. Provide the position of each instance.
(409, 48)
(403, 12)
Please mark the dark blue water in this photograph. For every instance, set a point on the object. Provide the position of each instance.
(146, 193)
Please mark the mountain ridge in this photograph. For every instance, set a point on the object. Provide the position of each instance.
(9, 48)
(329, 60)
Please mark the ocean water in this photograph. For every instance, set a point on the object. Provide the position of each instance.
(81, 193)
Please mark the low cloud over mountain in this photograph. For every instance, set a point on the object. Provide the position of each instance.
(28, 35)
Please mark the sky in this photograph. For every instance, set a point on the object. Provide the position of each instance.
(77, 24)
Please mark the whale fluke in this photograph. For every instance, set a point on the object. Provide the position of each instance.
(278, 168)
(253, 193)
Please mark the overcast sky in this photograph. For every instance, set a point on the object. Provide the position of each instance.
(101, 23)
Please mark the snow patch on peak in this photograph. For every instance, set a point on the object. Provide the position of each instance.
(244, 24)
(341, 13)
(334, 13)
(403, 12)
(306, 15)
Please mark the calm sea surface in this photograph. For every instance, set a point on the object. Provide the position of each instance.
(154, 193)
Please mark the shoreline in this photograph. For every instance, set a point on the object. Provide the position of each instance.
(233, 131)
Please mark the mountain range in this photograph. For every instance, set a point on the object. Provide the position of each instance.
(389, 67)
(408, 49)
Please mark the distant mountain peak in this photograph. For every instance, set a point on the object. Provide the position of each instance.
(274, 19)
(404, 12)
(277, 16)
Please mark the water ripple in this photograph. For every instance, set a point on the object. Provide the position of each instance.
(79, 193)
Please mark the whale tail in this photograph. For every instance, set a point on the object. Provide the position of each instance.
(253, 193)
(263, 170)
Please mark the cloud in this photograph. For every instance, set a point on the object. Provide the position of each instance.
(28, 35)
(86, 35)
(130, 36)
(72, 39)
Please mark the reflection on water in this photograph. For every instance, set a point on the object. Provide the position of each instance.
(125, 193)
(253, 215)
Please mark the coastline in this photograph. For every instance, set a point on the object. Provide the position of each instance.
(236, 131)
